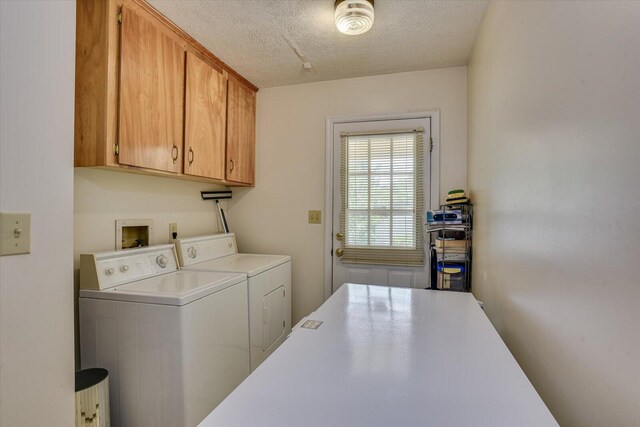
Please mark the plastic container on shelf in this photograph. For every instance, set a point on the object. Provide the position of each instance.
(451, 255)
(449, 243)
(439, 217)
(451, 276)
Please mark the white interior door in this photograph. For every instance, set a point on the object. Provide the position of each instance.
(344, 272)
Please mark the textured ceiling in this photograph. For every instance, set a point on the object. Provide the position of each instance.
(267, 41)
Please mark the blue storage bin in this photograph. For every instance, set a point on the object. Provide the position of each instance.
(452, 277)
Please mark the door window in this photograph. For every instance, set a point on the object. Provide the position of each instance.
(381, 179)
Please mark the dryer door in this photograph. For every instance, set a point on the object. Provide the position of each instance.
(273, 321)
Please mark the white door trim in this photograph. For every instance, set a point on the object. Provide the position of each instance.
(433, 203)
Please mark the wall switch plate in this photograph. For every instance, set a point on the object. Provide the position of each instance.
(315, 217)
(15, 233)
(173, 230)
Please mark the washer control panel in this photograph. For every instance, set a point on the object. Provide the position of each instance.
(193, 250)
(109, 269)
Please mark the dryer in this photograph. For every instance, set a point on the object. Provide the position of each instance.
(269, 283)
(175, 343)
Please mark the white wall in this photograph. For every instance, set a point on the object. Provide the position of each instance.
(554, 168)
(290, 170)
(37, 56)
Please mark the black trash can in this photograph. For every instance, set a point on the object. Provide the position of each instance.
(92, 398)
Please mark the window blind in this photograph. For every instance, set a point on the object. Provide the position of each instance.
(381, 178)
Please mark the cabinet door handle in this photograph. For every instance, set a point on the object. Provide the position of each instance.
(191, 156)
(232, 165)
(174, 153)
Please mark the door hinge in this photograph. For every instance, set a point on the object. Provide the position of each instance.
(430, 144)
(120, 17)
(116, 149)
(283, 324)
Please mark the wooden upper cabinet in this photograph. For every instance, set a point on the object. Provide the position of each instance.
(241, 133)
(205, 119)
(151, 95)
(151, 99)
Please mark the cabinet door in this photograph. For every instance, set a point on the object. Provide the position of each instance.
(205, 119)
(241, 133)
(151, 95)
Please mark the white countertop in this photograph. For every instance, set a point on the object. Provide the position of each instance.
(388, 357)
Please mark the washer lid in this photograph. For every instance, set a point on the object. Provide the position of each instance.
(251, 264)
(179, 288)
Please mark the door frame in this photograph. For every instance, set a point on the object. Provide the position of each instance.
(434, 179)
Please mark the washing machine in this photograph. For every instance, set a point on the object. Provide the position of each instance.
(175, 343)
(269, 283)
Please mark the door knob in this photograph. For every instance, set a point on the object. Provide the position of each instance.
(340, 236)
(339, 252)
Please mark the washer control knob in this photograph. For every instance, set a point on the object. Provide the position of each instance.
(192, 252)
(124, 268)
(109, 271)
(162, 261)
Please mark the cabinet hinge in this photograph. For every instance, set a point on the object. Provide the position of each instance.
(120, 17)
(116, 149)
(430, 144)
(283, 324)
(284, 292)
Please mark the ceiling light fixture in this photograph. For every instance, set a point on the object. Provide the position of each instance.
(354, 16)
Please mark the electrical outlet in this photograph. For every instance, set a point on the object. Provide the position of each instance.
(173, 230)
(315, 217)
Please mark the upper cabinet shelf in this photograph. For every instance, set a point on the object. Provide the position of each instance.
(150, 99)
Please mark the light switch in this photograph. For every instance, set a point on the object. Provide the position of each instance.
(315, 217)
(15, 233)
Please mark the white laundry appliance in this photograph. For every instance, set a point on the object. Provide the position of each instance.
(269, 281)
(175, 343)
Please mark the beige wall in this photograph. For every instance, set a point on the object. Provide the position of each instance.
(290, 171)
(37, 56)
(554, 168)
(104, 196)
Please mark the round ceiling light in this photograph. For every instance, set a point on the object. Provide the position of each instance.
(354, 16)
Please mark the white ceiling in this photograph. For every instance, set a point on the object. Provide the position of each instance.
(267, 41)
